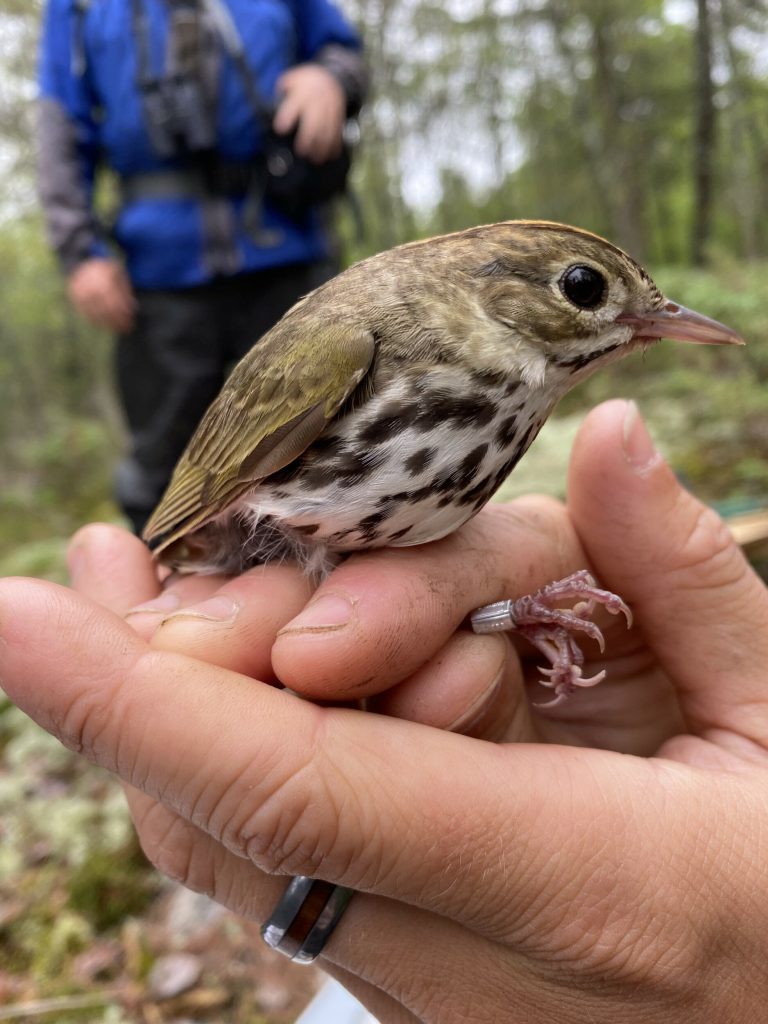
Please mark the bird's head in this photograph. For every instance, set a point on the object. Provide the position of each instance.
(574, 301)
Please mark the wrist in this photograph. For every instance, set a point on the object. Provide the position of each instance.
(349, 71)
(73, 260)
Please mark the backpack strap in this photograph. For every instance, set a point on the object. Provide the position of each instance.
(232, 43)
(78, 62)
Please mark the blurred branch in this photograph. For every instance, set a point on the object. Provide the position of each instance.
(62, 1004)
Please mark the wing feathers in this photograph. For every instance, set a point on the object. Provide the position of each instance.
(277, 401)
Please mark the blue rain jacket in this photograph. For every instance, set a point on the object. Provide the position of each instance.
(91, 112)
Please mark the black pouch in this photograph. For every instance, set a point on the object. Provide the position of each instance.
(294, 184)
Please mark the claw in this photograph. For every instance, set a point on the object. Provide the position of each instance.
(559, 698)
(587, 681)
(549, 628)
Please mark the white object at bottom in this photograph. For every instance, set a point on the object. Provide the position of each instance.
(334, 1005)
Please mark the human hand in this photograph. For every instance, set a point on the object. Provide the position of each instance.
(313, 99)
(406, 648)
(100, 291)
(565, 882)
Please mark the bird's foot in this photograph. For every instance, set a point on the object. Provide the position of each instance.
(541, 620)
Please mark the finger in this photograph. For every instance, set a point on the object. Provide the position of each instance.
(410, 946)
(126, 294)
(320, 132)
(179, 591)
(116, 310)
(112, 567)
(121, 322)
(380, 616)
(333, 143)
(364, 801)
(123, 303)
(105, 316)
(235, 626)
(191, 857)
(473, 686)
(93, 309)
(309, 137)
(313, 139)
(383, 1007)
(703, 610)
(287, 114)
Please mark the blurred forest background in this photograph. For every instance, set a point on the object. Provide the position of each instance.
(643, 120)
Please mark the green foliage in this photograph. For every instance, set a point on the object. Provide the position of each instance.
(59, 429)
(37, 772)
(581, 112)
(43, 944)
(107, 888)
(68, 854)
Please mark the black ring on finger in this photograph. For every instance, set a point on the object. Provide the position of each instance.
(304, 918)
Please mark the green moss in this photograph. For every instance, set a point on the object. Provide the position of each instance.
(108, 887)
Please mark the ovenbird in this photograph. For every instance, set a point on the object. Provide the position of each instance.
(387, 406)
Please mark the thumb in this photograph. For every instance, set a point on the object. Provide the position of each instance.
(702, 609)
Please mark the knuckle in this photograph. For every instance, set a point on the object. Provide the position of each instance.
(307, 822)
(95, 721)
(295, 826)
(705, 550)
(662, 965)
(288, 833)
(169, 844)
(81, 721)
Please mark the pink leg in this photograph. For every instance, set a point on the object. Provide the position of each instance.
(549, 628)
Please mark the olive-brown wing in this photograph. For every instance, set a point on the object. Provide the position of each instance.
(277, 400)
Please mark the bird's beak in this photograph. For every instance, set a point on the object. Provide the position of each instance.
(680, 324)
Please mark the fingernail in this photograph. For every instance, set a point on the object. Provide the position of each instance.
(166, 602)
(639, 449)
(329, 612)
(220, 608)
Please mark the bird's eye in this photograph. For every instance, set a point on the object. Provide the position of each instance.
(583, 286)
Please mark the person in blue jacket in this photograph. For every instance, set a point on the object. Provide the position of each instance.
(171, 95)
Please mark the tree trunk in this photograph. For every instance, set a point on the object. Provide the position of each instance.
(704, 137)
(749, 142)
(626, 186)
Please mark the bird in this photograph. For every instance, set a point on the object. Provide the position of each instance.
(388, 405)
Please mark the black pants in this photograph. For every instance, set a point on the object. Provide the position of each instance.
(175, 360)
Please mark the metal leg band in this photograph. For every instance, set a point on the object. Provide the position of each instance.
(492, 618)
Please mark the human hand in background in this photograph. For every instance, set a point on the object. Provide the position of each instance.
(100, 291)
(312, 101)
(526, 881)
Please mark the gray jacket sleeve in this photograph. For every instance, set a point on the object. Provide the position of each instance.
(64, 188)
(349, 67)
